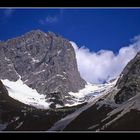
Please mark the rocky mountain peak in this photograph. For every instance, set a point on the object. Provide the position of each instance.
(44, 61)
(49, 33)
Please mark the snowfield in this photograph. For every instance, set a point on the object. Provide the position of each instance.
(93, 91)
(21, 92)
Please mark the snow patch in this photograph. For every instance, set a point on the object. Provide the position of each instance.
(58, 75)
(35, 60)
(39, 72)
(64, 72)
(92, 91)
(7, 59)
(45, 34)
(58, 106)
(59, 52)
(21, 92)
(19, 125)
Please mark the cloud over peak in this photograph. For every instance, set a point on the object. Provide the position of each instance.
(50, 19)
(97, 67)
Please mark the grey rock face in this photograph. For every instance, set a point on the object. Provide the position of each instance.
(7, 69)
(44, 61)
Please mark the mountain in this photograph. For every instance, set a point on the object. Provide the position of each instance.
(17, 116)
(41, 89)
(118, 110)
(43, 61)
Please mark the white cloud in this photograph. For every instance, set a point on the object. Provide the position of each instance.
(97, 67)
(49, 19)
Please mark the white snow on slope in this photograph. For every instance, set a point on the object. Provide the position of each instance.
(64, 122)
(35, 60)
(93, 91)
(21, 92)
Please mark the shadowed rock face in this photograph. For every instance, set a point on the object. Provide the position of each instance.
(45, 61)
(129, 81)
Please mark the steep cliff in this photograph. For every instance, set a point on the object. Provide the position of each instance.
(44, 61)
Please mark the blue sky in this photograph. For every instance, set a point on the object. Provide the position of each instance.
(106, 34)
(95, 28)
